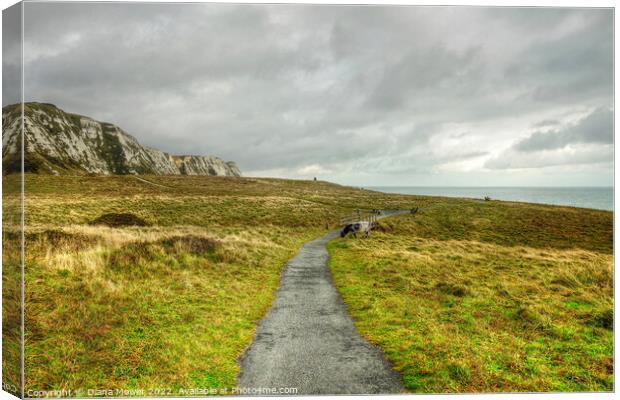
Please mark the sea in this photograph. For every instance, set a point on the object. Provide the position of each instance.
(601, 198)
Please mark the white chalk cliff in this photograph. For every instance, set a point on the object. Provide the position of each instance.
(58, 142)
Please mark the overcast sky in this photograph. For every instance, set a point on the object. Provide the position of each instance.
(352, 94)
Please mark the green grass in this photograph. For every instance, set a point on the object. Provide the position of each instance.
(486, 297)
(465, 296)
(171, 298)
(11, 284)
(172, 309)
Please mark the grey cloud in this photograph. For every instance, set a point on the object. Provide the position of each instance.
(356, 88)
(597, 127)
(11, 54)
(526, 21)
(571, 67)
(588, 141)
(420, 71)
(546, 123)
(512, 159)
(469, 154)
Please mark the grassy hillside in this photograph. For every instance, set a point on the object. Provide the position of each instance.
(171, 301)
(486, 296)
(157, 282)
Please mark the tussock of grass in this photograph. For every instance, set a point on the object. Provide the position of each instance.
(116, 220)
(463, 306)
(603, 318)
(452, 289)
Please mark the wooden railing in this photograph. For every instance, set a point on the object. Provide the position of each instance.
(360, 215)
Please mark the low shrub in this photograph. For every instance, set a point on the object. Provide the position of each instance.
(115, 220)
(451, 289)
(603, 319)
(195, 245)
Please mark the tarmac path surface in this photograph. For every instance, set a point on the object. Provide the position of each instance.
(308, 340)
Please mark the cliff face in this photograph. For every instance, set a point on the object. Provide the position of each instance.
(205, 165)
(57, 142)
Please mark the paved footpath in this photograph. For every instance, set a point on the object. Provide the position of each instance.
(308, 341)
